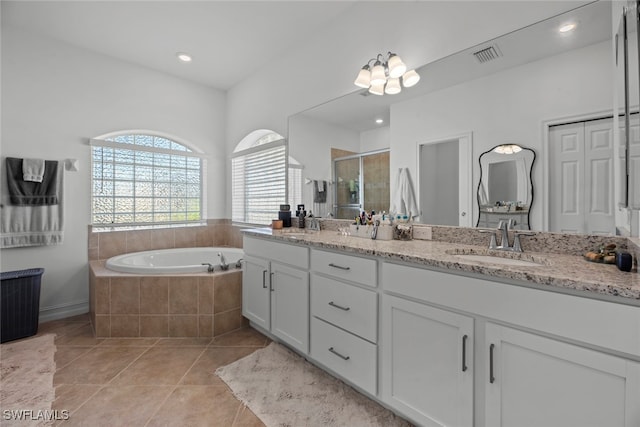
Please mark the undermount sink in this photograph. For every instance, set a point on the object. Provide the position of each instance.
(517, 259)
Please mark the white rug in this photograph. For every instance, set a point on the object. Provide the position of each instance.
(283, 389)
(26, 374)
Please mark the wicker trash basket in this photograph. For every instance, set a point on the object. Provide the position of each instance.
(19, 303)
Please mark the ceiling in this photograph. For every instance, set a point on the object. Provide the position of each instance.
(229, 40)
(358, 113)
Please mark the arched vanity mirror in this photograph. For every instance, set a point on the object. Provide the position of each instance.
(505, 190)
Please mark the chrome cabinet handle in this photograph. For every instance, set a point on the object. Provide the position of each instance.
(271, 282)
(338, 354)
(491, 377)
(333, 304)
(464, 353)
(339, 266)
(264, 279)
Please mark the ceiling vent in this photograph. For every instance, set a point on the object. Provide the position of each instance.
(487, 54)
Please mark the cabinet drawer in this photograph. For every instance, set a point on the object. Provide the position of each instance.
(297, 256)
(349, 307)
(356, 269)
(347, 355)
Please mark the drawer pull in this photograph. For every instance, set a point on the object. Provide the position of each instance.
(264, 280)
(491, 377)
(333, 304)
(339, 267)
(338, 354)
(464, 353)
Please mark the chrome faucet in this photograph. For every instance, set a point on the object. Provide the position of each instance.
(223, 262)
(503, 227)
(210, 267)
(239, 263)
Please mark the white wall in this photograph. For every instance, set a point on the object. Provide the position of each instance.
(54, 98)
(375, 139)
(314, 151)
(505, 107)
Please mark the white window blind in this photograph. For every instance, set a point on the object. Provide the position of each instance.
(295, 184)
(140, 179)
(259, 183)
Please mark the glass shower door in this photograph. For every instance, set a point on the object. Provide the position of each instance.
(347, 179)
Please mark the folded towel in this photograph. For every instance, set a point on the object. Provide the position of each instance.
(33, 170)
(32, 225)
(32, 193)
(320, 191)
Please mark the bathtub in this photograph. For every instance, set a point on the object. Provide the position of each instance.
(179, 260)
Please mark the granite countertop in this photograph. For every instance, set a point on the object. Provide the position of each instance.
(555, 272)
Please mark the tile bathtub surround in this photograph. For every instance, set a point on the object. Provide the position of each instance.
(190, 305)
(147, 381)
(217, 232)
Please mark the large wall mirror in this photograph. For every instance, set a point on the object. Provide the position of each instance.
(539, 78)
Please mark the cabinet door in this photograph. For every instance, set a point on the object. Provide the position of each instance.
(290, 305)
(427, 370)
(536, 381)
(255, 291)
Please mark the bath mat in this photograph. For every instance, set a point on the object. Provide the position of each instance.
(26, 373)
(283, 389)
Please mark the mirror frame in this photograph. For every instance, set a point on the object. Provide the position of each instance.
(533, 161)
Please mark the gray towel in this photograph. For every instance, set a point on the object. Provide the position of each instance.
(319, 191)
(32, 225)
(28, 193)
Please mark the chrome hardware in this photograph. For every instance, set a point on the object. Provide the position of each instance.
(239, 263)
(517, 247)
(491, 377)
(339, 267)
(492, 243)
(271, 282)
(503, 228)
(338, 354)
(464, 353)
(223, 263)
(333, 304)
(264, 279)
(210, 267)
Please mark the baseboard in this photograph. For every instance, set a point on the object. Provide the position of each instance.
(63, 310)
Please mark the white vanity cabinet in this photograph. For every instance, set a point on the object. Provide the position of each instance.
(537, 381)
(427, 362)
(344, 322)
(275, 290)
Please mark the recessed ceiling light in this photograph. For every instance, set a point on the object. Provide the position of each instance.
(565, 28)
(379, 121)
(184, 57)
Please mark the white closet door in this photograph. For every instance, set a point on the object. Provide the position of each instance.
(581, 178)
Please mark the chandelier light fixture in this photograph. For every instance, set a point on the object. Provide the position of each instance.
(386, 74)
(508, 149)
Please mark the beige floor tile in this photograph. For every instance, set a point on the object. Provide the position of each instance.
(66, 354)
(70, 397)
(197, 406)
(246, 418)
(203, 371)
(128, 342)
(120, 406)
(98, 366)
(82, 336)
(183, 342)
(246, 337)
(159, 366)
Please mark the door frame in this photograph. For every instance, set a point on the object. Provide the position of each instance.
(544, 155)
(465, 171)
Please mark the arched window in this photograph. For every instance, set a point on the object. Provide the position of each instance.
(142, 178)
(259, 169)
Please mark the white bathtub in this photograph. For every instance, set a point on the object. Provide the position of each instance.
(182, 260)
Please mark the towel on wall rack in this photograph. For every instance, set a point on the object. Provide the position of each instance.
(32, 193)
(404, 199)
(32, 225)
(319, 191)
(33, 170)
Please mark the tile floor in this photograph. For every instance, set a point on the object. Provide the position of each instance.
(147, 381)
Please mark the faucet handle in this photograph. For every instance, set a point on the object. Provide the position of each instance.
(493, 244)
(517, 247)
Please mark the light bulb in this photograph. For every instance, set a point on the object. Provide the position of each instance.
(378, 76)
(410, 78)
(393, 86)
(396, 66)
(364, 77)
(184, 57)
(377, 89)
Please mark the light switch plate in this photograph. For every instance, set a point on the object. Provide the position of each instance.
(422, 233)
